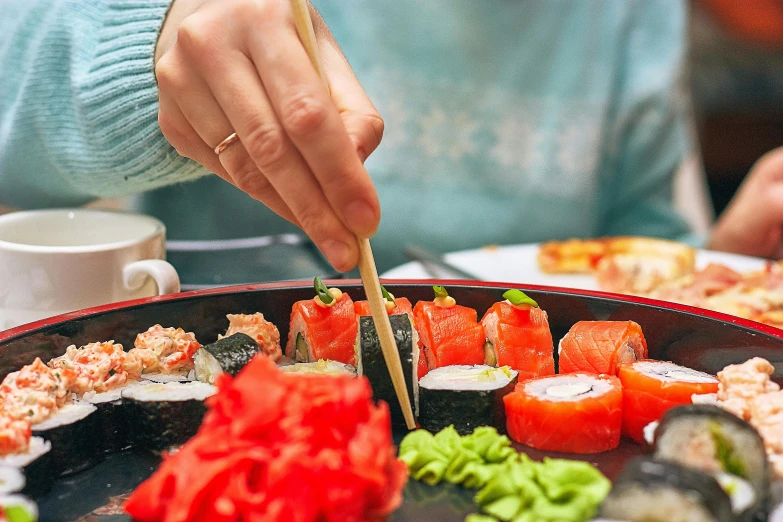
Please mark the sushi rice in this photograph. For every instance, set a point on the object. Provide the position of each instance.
(169, 377)
(11, 480)
(38, 448)
(321, 367)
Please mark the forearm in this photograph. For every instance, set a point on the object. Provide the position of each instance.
(79, 103)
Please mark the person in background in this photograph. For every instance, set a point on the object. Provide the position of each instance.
(504, 122)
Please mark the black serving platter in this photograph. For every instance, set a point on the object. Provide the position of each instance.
(693, 337)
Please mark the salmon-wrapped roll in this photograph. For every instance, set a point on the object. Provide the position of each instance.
(651, 388)
(450, 334)
(518, 336)
(601, 346)
(574, 413)
(324, 327)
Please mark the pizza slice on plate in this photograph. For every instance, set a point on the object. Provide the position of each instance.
(620, 264)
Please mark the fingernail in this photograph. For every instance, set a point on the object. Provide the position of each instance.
(338, 253)
(360, 218)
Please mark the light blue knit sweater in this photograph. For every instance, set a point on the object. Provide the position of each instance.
(507, 120)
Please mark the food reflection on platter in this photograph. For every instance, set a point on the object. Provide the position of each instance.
(244, 417)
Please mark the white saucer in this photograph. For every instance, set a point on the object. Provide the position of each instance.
(518, 264)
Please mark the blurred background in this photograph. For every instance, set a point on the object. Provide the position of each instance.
(735, 76)
(736, 79)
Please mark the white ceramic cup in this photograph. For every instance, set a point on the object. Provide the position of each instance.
(58, 261)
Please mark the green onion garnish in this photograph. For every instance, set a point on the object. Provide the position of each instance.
(440, 291)
(387, 295)
(322, 291)
(518, 297)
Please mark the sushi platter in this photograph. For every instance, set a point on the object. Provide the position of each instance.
(607, 387)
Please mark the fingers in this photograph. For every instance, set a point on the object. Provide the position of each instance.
(239, 67)
(360, 117)
(197, 111)
(310, 118)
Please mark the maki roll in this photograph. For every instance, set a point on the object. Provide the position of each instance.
(650, 388)
(167, 351)
(715, 441)
(263, 332)
(518, 335)
(162, 378)
(74, 433)
(601, 347)
(465, 396)
(18, 508)
(371, 363)
(320, 368)
(229, 354)
(162, 416)
(450, 334)
(590, 405)
(655, 491)
(323, 327)
(36, 463)
(113, 427)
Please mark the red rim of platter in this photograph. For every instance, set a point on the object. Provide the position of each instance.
(79, 314)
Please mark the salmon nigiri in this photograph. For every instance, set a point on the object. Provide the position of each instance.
(651, 388)
(518, 335)
(574, 413)
(601, 346)
(324, 327)
(449, 333)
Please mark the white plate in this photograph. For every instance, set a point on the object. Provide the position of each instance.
(518, 264)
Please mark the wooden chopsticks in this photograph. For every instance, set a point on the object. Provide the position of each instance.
(367, 269)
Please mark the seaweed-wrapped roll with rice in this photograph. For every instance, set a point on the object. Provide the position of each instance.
(371, 363)
(18, 508)
(465, 396)
(228, 354)
(36, 464)
(75, 436)
(717, 442)
(165, 415)
(660, 491)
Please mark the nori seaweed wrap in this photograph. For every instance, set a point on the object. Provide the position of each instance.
(709, 438)
(113, 426)
(162, 416)
(465, 396)
(229, 354)
(371, 363)
(75, 436)
(659, 491)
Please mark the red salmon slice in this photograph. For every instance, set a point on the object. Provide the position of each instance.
(404, 306)
(330, 332)
(520, 339)
(450, 335)
(601, 346)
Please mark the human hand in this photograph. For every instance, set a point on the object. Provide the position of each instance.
(752, 224)
(227, 66)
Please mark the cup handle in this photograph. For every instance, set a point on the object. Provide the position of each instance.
(135, 274)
